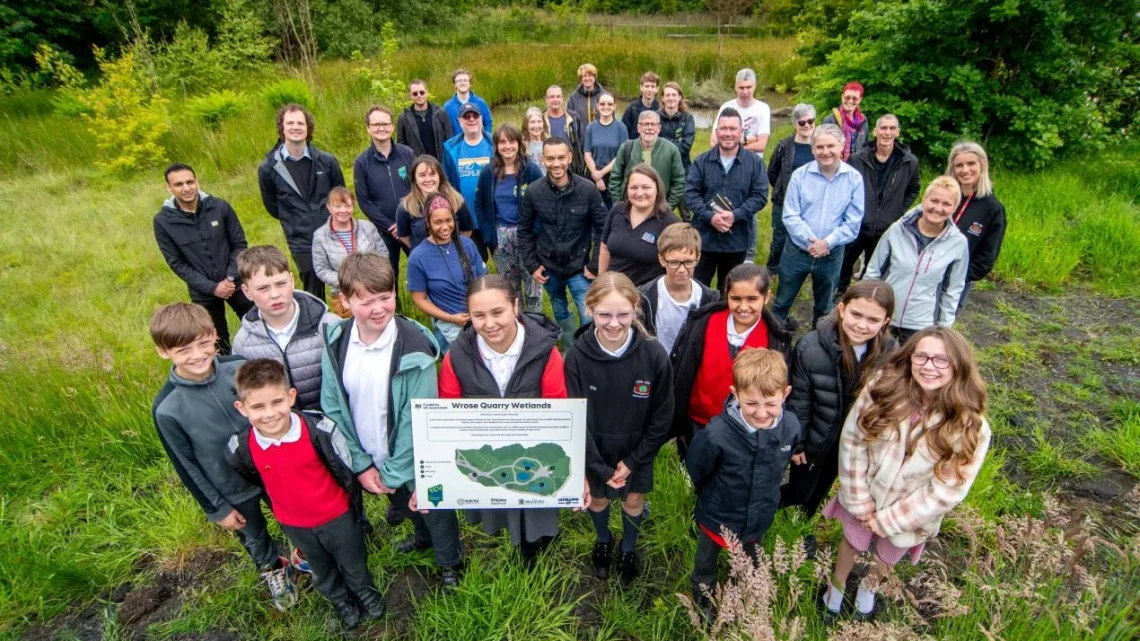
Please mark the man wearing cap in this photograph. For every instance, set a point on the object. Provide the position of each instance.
(465, 155)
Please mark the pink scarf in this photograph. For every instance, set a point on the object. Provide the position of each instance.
(851, 125)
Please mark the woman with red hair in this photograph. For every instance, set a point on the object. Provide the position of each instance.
(850, 119)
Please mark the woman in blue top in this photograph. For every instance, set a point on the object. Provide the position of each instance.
(603, 137)
(498, 198)
(425, 177)
(439, 270)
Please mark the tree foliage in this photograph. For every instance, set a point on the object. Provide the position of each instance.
(1033, 78)
(127, 118)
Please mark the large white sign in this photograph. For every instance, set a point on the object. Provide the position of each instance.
(499, 453)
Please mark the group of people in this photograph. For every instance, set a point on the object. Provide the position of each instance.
(311, 412)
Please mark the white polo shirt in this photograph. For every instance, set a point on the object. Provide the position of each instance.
(367, 375)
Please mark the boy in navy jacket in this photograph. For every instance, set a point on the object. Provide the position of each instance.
(737, 462)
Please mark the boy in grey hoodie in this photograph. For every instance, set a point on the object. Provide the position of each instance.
(195, 416)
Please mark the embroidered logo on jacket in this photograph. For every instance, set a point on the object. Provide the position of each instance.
(975, 229)
(641, 389)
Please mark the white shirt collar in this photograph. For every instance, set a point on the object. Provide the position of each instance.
(694, 294)
(292, 436)
(739, 336)
(621, 350)
(751, 429)
(285, 153)
(282, 336)
(387, 337)
(489, 354)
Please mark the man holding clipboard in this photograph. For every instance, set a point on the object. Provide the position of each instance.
(725, 189)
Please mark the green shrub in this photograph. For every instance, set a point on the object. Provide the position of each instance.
(286, 91)
(242, 43)
(214, 107)
(128, 118)
(188, 64)
(344, 26)
(1032, 77)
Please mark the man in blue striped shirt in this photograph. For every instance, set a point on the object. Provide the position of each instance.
(823, 210)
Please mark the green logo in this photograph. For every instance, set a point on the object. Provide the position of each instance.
(435, 495)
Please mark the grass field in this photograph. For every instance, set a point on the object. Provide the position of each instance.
(99, 541)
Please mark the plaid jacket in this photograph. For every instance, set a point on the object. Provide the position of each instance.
(907, 498)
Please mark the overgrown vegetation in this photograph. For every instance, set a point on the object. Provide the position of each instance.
(1034, 78)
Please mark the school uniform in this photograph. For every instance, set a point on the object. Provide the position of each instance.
(316, 499)
(702, 362)
(629, 409)
(633, 252)
(530, 368)
(736, 470)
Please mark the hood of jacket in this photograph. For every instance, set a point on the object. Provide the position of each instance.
(171, 204)
(308, 321)
(587, 92)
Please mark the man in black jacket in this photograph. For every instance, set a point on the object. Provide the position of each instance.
(890, 184)
(295, 179)
(560, 218)
(424, 126)
(200, 237)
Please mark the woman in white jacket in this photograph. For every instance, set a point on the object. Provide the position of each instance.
(909, 452)
(924, 258)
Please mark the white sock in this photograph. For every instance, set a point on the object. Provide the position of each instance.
(864, 600)
(833, 598)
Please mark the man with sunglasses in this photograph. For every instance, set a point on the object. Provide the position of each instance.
(891, 182)
(465, 155)
(791, 153)
(424, 126)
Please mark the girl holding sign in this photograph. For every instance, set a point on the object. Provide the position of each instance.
(503, 353)
(625, 375)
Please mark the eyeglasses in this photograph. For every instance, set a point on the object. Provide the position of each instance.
(419, 93)
(804, 123)
(649, 124)
(471, 116)
(678, 264)
(605, 318)
(918, 359)
(379, 125)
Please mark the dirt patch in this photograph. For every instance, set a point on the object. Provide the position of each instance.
(407, 588)
(129, 609)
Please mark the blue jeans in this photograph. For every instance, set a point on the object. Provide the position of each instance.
(795, 266)
(779, 237)
(555, 287)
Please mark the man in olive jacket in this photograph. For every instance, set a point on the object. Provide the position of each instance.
(295, 180)
(663, 156)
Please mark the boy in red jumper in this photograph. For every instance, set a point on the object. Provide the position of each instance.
(301, 460)
(708, 343)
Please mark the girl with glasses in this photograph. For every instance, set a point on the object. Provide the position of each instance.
(909, 452)
(625, 374)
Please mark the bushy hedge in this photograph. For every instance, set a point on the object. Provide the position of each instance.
(1033, 78)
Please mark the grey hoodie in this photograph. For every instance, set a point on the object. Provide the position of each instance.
(302, 354)
(194, 422)
(927, 283)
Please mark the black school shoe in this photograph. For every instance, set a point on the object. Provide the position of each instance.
(628, 569)
(373, 604)
(603, 554)
(349, 615)
(450, 577)
(393, 516)
(705, 608)
(412, 544)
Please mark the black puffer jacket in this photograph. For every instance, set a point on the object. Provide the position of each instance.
(466, 363)
(300, 214)
(558, 226)
(737, 473)
(821, 393)
(689, 351)
(630, 402)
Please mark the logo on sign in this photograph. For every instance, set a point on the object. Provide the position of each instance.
(435, 495)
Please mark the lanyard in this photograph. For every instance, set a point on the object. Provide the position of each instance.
(961, 211)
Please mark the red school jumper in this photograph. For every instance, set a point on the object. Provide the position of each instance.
(303, 491)
(714, 375)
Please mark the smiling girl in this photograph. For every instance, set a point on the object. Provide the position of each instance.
(411, 218)
(828, 367)
(626, 377)
(924, 258)
(908, 454)
(340, 236)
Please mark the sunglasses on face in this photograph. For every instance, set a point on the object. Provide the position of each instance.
(804, 123)
(470, 116)
(419, 93)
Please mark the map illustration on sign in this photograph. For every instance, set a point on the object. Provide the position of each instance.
(540, 469)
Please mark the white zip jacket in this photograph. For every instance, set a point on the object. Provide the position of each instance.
(927, 283)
